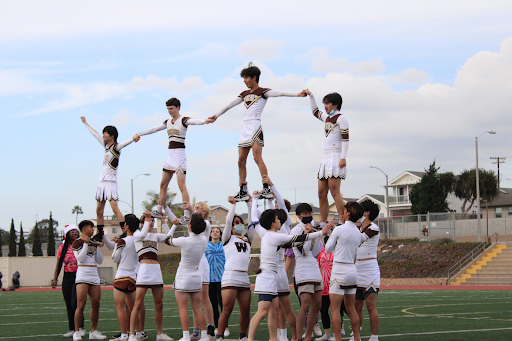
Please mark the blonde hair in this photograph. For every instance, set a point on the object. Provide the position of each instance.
(205, 207)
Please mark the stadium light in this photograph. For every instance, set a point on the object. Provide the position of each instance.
(492, 132)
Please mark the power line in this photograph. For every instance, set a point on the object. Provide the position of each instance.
(498, 161)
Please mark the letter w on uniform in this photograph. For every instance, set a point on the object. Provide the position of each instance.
(241, 247)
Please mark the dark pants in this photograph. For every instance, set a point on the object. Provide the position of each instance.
(324, 311)
(214, 290)
(69, 293)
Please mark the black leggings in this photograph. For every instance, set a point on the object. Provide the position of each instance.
(69, 293)
(324, 311)
(214, 290)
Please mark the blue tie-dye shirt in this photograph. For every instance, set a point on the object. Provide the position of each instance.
(216, 260)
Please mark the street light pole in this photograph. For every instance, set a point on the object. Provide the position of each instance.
(386, 199)
(478, 184)
(146, 174)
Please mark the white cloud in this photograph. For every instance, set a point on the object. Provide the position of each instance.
(264, 49)
(122, 117)
(410, 75)
(321, 62)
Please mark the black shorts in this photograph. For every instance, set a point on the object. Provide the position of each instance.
(266, 297)
(362, 294)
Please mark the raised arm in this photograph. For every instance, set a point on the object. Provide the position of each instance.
(280, 239)
(316, 112)
(226, 234)
(331, 243)
(93, 132)
(281, 204)
(153, 130)
(140, 235)
(234, 103)
(116, 255)
(99, 256)
(120, 146)
(277, 93)
(255, 211)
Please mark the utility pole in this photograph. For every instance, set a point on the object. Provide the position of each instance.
(498, 161)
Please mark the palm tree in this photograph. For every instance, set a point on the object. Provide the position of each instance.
(77, 210)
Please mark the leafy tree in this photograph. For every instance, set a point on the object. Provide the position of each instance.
(429, 195)
(50, 249)
(36, 245)
(22, 252)
(77, 210)
(465, 187)
(12, 240)
(43, 227)
(4, 237)
(152, 200)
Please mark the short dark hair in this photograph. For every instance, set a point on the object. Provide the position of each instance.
(372, 207)
(334, 98)
(281, 214)
(112, 131)
(267, 218)
(173, 101)
(132, 221)
(287, 204)
(236, 216)
(197, 223)
(355, 209)
(251, 71)
(85, 223)
(220, 231)
(303, 207)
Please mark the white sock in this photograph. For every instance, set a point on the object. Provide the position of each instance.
(138, 333)
(186, 335)
(123, 335)
(282, 333)
(160, 335)
(375, 336)
(186, 213)
(204, 335)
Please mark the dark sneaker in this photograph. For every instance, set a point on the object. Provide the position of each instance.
(266, 193)
(242, 196)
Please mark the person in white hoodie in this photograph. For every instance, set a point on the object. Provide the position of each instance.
(344, 241)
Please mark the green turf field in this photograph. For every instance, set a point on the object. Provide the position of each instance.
(404, 315)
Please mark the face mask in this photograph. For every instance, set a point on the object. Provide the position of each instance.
(239, 228)
(332, 112)
(306, 220)
(363, 219)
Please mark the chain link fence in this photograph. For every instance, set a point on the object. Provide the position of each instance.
(454, 226)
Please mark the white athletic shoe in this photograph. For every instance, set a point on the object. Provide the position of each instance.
(183, 339)
(157, 212)
(82, 332)
(266, 193)
(243, 339)
(241, 196)
(324, 337)
(164, 337)
(226, 332)
(376, 338)
(205, 339)
(332, 337)
(77, 336)
(184, 220)
(144, 336)
(96, 335)
(69, 334)
(351, 338)
(317, 330)
(133, 338)
(119, 339)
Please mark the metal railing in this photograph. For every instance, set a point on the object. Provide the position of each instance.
(467, 259)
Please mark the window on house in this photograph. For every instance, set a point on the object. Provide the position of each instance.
(510, 210)
(499, 212)
(381, 215)
(211, 218)
(114, 230)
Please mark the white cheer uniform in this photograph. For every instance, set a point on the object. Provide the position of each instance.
(254, 103)
(344, 241)
(307, 270)
(126, 256)
(237, 250)
(87, 257)
(146, 245)
(335, 143)
(107, 188)
(188, 276)
(368, 271)
(176, 160)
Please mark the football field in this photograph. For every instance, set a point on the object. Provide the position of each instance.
(404, 315)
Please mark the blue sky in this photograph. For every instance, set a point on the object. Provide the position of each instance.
(419, 82)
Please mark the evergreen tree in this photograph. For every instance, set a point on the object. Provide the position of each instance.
(22, 252)
(12, 240)
(51, 238)
(36, 246)
(465, 187)
(429, 195)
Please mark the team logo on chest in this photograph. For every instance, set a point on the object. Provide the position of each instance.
(329, 127)
(241, 247)
(250, 100)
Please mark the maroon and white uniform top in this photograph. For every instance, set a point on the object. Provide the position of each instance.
(176, 131)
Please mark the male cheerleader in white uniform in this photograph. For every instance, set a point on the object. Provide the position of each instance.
(251, 136)
(307, 273)
(107, 188)
(266, 282)
(368, 272)
(188, 280)
(176, 161)
(88, 256)
(344, 241)
(149, 275)
(283, 286)
(333, 167)
(235, 279)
